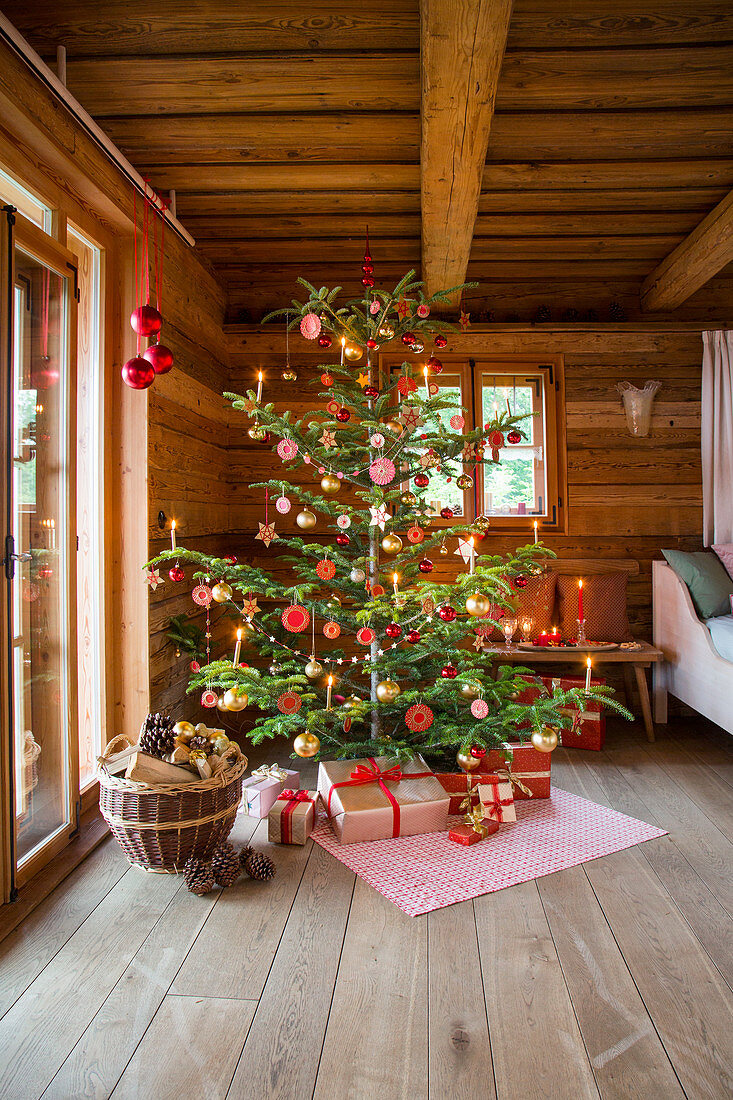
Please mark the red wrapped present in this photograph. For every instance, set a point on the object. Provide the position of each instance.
(291, 817)
(497, 800)
(467, 834)
(589, 725)
(529, 771)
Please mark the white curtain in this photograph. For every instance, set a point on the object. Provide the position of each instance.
(717, 437)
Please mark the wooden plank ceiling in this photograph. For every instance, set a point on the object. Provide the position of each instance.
(286, 127)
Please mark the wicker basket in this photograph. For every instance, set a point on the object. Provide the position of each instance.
(159, 828)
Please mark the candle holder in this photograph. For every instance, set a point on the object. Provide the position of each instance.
(580, 636)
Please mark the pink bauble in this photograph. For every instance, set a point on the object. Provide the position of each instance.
(160, 358)
(146, 321)
(375, 306)
(138, 374)
(44, 374)
(310, 326)
(283, 505)
(479, 708)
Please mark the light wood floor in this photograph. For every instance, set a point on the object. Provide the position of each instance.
(611, 979)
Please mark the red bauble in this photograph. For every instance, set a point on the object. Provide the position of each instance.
(446, 513)
(425, 566)
(478, 753)
(138, 374)
(422, 481)
(146, 321)
(342, 540)
(343, 415)
(413, 637)
(521, 581)
(231, 559)
(371, 392)
(44, 374)
(176, 573)
(435, 364)
(325, 340)
(393, 630)
(449, 672)
(368, 281)
(409, 338)
(440, 341)
(447, 613)
(160, 358)
(514, 436)
(372, 344)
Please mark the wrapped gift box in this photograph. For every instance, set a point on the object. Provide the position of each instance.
(497, 799)
(590, 723)
(264, 785)
(292, 816)
(529, 768)
(457, 788)
(378, 798)
(466, 834)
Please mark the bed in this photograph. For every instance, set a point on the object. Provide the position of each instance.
(693, 670)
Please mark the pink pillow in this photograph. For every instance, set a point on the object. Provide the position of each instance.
(724, 550)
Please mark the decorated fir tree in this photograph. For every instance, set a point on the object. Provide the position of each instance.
(360, 651)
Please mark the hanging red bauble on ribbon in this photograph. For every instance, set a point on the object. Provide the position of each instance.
(160, 358)
(289, 703)
(425, 566)
(365, 636)
(325, 340)
(440, 342)
(514, 436)
(422, 481)
(44, 373)
(176, 573)
(435, 365)
(446, 513)
(138, 374)
(331, 630)
(146, 321)
(393, 630)
(409, 338)
(342, 540)
(326, 570)
(447, 613)
(419, 718)
(520, 581)
(295, 618)
(412, 636)
(478, 752)
(449, 672)
(371, 392)
(343, 415)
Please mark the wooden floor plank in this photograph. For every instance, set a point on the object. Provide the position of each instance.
(280, 1057)
(536, 1043)
(703, 747)
(241, 935)
(700, 783)
(688, 1001)
(44, 1024)
(25, 952)
(626, 1054)
(707, 918)
(94, 1066)
(377, 1034)
(458, 1035)
(190, 1049)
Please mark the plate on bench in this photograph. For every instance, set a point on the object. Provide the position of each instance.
(590, 647)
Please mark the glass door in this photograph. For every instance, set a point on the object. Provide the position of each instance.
(41, 792)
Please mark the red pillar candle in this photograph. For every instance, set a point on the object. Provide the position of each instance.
(580, 600)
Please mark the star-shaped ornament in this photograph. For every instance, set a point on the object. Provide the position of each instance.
(466, 551)
(465, 321)
(248, 405)
(426, 459)
(403, 308)
(251, 607)
(362, 380)
(266, 533)
(328, 439)
(410, 417)
(478, 643)
(154, 578)
(380, 515)
(467, 454)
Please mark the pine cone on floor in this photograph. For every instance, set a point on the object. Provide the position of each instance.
(616, 312)
(259, 866)
(225, 865)
(198, 876)
(156, 736)
(244, 855)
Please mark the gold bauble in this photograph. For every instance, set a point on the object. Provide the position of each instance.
(351, 702)
(221, 592)
(482, 522)
(248, 632)
(257, 433)
(235, 700)
(391, 543)
(467, 762)
(478, 605)
(184, 730)
(470, 691)
(352, 352)
(220, 704)
(394, 426)
(306, 744)
(545, 740)
(313, 669)
(289, 375)
(386, 331)
(306, 520)
(387, 691)
(333, 602)
(330, 483)
(465, 481)
(408, 499)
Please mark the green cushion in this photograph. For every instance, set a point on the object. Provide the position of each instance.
(709, 584)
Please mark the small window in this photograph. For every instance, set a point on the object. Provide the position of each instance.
(29, 206)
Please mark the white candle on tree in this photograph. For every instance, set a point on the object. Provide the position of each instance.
(471, 556)
(237, 648)
(395, 578)
(343, 345)
(536, 538)
(259, 387)
(427, 385)
(173, 534)
(328, 692)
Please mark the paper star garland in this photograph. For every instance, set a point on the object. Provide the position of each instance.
(362, 380)
(266, 533)
(250, 607)
(328, 439)
(466, 551)
(154, 578)
(380, 515)
(465, 321)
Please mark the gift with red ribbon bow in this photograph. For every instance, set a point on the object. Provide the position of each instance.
(292, 817)
(497, 799)
(379, 797)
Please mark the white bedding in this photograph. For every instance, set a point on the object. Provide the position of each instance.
(721, 632)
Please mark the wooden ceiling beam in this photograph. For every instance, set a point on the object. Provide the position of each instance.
(462, 47)
(702, 254)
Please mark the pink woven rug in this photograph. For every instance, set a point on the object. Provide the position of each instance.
(421, 873)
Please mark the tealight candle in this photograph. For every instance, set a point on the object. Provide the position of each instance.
(237, 648)
(173, 534)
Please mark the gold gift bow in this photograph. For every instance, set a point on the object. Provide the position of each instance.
(506, 773)
(270, 771)
(475, 818)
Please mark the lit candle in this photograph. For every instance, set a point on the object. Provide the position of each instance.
(259, 387)
(471, 556)
(343, 345)
(587, 674)
(580, 600)
(554, 635)
(328, 693)
(237, 648)
(425, 375)
(395, 578)
(536, 538)
(173, 534)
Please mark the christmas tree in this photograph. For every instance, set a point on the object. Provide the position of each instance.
(362, 653)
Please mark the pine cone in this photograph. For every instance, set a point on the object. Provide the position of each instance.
(244, 855)
(156, 736)
(542, 315)
(616, 312)
(570, 315)
(259, 866)
(225, 865)
(198, 876)
(199, 742)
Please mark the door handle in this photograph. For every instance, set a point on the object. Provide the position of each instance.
(11, 557)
